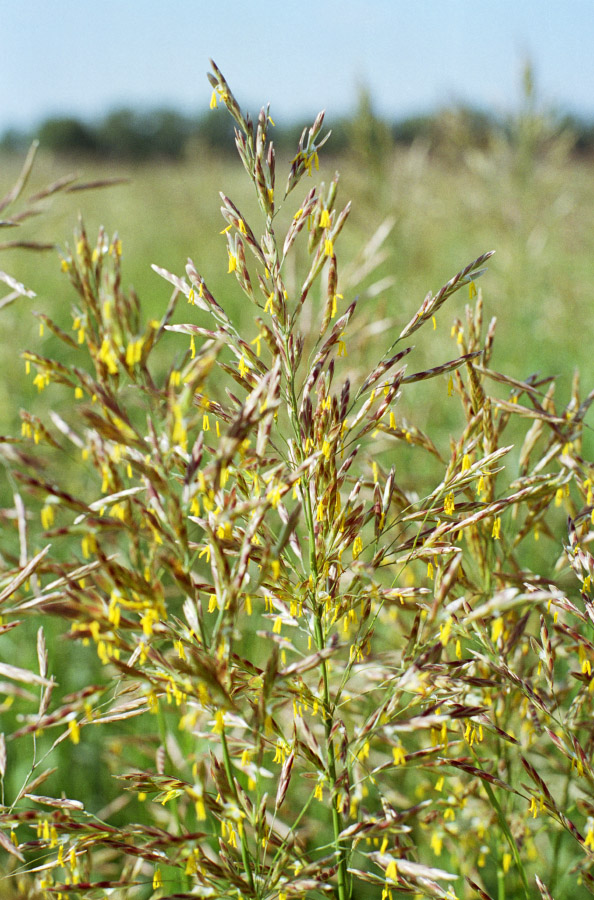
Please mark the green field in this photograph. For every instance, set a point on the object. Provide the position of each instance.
(536, 212)
(537, 217)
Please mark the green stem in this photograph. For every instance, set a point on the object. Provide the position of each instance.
(337, 825)
(307, 508)
(500, 883)
(505, 828)
(184, 882)
(343, 890)
(245, 855)
(559, 835)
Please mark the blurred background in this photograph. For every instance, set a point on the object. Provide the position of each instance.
(467, 125)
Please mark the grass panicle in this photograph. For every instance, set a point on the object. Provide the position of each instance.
(322, 652)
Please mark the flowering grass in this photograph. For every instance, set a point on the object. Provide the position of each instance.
(306, 677)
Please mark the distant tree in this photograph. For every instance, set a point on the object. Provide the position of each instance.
(127, 134)
(67, 135)
(214, 132)
(582, 131)
(166, 132)
(14, 141)
(119, 136)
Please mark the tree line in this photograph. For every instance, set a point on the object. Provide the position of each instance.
(133, 135)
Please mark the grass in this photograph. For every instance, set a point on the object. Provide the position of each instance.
(541, 225)
(326, 635)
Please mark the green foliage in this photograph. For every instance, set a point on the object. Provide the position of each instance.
(130, 135)
(68, 135)
(311, 667)
(135, 135)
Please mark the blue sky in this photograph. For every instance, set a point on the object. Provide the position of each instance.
(84, 58)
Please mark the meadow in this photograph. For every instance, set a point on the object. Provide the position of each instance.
(424, 652)
(443, 207)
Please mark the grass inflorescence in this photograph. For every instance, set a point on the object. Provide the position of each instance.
(307, 678)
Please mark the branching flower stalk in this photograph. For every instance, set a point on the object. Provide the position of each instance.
(315, 668)
(259, 160)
